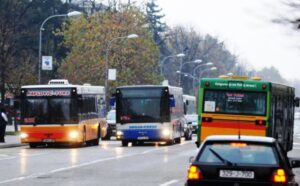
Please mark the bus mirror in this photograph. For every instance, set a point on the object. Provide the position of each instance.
(171, 101)
(297, 102)
(112, 101)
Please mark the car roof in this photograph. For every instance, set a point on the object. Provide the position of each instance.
(240, 138)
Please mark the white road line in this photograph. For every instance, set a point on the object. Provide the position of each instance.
(169, 183)
(296, 143)
(35, 175)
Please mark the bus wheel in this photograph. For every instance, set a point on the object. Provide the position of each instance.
(124, 143)
(32, 145)
(178, 140)
(170, 142)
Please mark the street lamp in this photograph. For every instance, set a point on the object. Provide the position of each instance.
(206, 64)
(167, 57)
(189, 62)
(70, 14)
(131, 36)
(198, 79)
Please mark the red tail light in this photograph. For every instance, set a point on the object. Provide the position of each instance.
(206, 119)
(260, 122)
(194, 173)
(279, 176)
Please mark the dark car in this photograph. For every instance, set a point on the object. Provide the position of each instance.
(241, 161)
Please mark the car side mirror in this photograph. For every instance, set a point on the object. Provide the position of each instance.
(191, 159)
(294, 162)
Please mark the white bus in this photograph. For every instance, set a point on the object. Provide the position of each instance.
(149, 113)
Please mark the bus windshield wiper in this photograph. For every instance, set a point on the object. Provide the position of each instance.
(227, 162)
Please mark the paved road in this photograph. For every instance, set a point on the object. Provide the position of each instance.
(107, 164)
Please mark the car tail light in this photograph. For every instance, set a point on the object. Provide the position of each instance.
(279, 176)
(194, 173)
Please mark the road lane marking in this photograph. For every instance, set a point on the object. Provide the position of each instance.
(169, 183)
(35, 175)
(296, 143)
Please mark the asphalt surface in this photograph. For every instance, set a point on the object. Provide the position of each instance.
(106, 164)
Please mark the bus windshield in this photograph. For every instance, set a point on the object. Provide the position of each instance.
(234, 102)
(147, 105)
(49, 111)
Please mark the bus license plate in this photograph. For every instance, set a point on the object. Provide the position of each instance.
(143, 138)
(236, 174)
(48, 140)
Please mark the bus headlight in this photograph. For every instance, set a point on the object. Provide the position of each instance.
(166, 132)
(119, 133)
(23, 135)
(73, 134)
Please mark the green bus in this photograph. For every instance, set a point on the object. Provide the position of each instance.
(237, 105)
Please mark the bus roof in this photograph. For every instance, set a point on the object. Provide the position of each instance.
(235, 84)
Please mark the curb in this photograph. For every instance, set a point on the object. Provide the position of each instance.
(12, 145)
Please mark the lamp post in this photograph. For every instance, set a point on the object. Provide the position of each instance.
(131, 36)
(205, 70)
(70, 14)
(189, 62)
(167, 57)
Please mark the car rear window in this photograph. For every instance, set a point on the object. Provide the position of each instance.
(238, 152)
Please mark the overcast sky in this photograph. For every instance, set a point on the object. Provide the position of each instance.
(246, 28)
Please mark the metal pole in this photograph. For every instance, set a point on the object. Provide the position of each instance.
(40, 43)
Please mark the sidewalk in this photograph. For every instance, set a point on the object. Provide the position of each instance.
(11, 140)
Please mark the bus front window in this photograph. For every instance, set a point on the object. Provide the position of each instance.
(142, 110)
(234, 102)
(49, 111)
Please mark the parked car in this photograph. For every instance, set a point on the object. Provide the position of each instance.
(192, 120)
(111, 122)
(241, 160)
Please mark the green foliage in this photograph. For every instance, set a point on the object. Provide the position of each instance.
(88, 39)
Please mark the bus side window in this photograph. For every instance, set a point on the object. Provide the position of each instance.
(297, 102)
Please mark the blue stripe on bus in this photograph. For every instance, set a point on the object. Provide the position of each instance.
(134, 134)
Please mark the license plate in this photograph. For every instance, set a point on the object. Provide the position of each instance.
(236, 174)
(143, 138)
(48, 140)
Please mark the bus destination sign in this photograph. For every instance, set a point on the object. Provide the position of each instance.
(42, 93)
(235, 85)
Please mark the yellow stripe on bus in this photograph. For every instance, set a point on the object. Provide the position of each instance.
(207, 131)
(233, 117)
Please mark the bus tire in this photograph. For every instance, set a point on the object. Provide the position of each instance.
(124, 143)
(170, 142)
(33, 145)
(178, 140)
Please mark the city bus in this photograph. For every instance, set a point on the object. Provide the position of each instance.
(60, 112)
(242, 106)
(149, 113)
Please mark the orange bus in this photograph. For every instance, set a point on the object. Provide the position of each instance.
(238, 105)
(62, 113)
